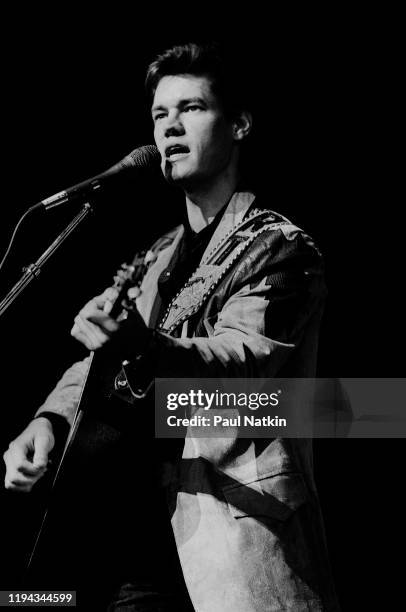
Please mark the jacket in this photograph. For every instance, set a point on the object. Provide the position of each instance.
(245, 512)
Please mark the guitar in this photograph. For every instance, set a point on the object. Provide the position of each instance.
(90, 433)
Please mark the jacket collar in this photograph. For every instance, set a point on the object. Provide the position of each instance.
(234, 213)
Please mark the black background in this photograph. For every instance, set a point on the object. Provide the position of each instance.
(326, 89)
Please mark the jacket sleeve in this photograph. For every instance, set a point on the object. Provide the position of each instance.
(269, 301)
(63, 400)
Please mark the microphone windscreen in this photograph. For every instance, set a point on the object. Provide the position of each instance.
(141, 157)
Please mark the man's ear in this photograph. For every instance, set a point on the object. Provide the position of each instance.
(242, 125)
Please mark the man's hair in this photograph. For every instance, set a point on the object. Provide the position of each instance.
(210, 60)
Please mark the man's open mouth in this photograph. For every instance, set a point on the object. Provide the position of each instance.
(176, 150)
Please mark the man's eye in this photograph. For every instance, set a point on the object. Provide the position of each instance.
(192, 107)
(159, 116)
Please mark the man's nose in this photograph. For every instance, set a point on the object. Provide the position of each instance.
(174, 126)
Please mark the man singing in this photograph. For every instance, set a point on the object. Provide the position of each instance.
(245, 516)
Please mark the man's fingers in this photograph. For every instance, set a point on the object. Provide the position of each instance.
(40, 460)
(102, 303)
(17, 462)
(24, 467)
(98, 317)
(37, 440)
(18, 480)
(43, 445)
(88, 333)
(91, 308)
(78, 335)
(29, 469)
(110, 296)
(103, 321)
(18, 453)
(94, 332)
(20, 488)
(93, 326)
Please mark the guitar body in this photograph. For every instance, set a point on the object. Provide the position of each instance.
(105, 490)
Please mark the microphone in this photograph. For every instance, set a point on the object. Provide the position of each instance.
(140, 158)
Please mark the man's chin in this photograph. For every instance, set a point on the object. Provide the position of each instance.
(175, 175)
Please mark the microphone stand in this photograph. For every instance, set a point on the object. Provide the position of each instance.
(33, 270)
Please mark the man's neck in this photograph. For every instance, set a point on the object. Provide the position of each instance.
(204, 203)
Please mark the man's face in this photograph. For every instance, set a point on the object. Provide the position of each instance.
(193, 136)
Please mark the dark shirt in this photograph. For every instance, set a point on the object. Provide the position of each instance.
(183, 263)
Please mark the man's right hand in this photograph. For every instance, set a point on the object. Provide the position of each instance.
(27, 456)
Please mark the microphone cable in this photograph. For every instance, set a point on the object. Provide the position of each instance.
(19, 222)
